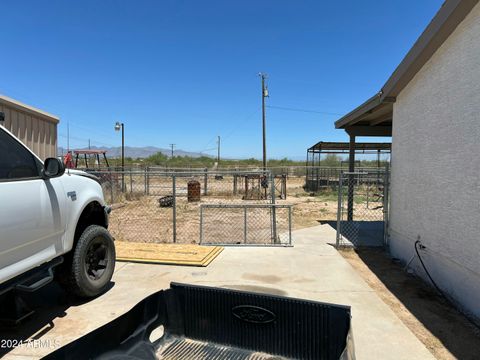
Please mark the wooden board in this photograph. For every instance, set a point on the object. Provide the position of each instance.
(171, 254)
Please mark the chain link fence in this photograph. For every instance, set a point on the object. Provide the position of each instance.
(362, 208)
(149, 205)
(321, 177)
(246, 224)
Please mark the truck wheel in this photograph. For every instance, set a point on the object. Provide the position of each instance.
(92, 263)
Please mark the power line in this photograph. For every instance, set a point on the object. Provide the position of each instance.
(244, 121)
(209, 141)
(207, 150)
(303, 110)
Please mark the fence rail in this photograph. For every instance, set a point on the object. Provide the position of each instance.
(246, 224)
(248, 184)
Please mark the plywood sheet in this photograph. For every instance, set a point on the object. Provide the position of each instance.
(171, 254)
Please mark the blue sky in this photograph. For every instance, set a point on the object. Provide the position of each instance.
(186, 71)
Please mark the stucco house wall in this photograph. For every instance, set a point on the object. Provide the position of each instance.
(435, 186)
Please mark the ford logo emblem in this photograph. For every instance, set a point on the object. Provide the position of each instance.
(253, 314)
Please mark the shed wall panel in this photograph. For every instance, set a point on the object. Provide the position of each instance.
(36, 132)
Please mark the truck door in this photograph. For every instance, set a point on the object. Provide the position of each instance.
(32, 210)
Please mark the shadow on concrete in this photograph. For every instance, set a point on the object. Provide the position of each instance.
(360, 233)
(48, 303)
(457, 334)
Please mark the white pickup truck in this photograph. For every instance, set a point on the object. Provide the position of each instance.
(52, 223)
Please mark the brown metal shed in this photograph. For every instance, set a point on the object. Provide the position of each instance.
(35, 128)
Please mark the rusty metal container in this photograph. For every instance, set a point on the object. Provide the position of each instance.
(193, 191)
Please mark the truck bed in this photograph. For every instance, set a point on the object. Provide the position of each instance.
(197, 322)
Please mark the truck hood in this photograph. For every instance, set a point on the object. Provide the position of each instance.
(82, 173)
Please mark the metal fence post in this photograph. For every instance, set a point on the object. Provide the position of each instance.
(368, 193)
(174, 193)
(235, 183)
(145, 180)
(274, 210)
(201, 224)
(245, 224)
(111, 188)
(148, 180)
(289, 226)
(131, 182)
(205, 182)
(272, 189)
(386, 184)
(351, 195)
(339, 209)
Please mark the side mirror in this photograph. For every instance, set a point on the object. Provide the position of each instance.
(52, 167)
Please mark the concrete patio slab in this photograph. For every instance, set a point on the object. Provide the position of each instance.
(312, 269)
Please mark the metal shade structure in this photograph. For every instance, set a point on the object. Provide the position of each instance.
(314, 153)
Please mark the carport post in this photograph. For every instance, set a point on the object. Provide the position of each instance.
(351, 170)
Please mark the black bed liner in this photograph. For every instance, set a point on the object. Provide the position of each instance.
(214, 323)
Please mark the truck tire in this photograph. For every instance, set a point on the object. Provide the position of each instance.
(91, 266)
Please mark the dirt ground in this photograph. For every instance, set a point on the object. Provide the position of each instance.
(433, 320)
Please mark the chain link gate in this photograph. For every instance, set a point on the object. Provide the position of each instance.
(362, 215)
(246, 224)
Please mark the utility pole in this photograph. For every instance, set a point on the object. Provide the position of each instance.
(218, 151)
(172, 146)
(264, 95)
(89, 144)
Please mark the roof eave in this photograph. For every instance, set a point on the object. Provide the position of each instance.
(28, 109)
(359, 111)
(438, 30)
(449, 16)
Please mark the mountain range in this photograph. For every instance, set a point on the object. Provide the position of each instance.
(137, 152)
